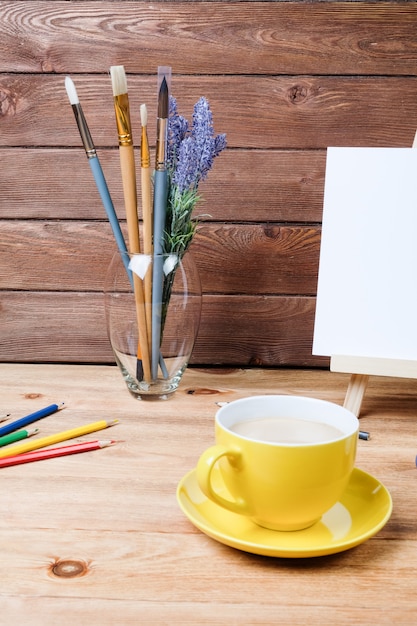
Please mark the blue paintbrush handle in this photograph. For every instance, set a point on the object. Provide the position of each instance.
(110, 211)
(160, 205)
(160, 202)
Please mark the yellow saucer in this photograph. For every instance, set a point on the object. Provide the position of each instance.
(363, 510)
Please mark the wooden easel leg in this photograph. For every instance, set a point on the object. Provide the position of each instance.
(355, 393)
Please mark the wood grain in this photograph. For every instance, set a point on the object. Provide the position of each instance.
(289, 189)
(285, 80)
(231, 331)
(72, 255)
(274, 112)
(70, 327)
(113, 513)
(219, 37)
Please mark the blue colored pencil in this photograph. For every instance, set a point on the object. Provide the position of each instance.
(29, 419)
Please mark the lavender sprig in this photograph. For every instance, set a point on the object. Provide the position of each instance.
(190, 155)
(178, 130)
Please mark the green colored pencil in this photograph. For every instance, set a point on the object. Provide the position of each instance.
(17, 436)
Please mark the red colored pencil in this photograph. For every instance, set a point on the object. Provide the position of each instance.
(50, 453)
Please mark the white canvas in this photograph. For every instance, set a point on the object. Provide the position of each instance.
(367, 292)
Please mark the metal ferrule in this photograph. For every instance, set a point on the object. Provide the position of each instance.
(145, 159)
(84, 131)
(121, 107)
(161, 144)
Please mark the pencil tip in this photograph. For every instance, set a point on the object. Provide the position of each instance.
(106, 442)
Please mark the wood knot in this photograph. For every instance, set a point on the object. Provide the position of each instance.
(255, 361)
(297, 94)
(8, 103)
(32, 396)
(272, 232)
(68, 568)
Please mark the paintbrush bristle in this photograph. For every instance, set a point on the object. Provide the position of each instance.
(163, 99)
(143, 115)
(71, 91)
(118, 79)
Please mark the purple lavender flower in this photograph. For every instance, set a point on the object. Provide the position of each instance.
(177, 131)
(190, 156)
(191, 163)
(187, 165)
(219, 144)
(203, 132)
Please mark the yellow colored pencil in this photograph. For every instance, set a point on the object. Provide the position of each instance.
(35, 444)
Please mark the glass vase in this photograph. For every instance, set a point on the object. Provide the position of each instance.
(152, 306)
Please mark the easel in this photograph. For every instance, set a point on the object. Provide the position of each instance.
(366, 366)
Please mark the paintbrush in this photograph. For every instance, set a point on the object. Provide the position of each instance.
(159, 214)
(97, 171)
(127, 163)
(145, 162)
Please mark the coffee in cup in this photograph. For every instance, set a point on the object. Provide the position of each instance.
(285, 460)
(286, 430)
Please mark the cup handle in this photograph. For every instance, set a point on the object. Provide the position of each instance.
(205, 467)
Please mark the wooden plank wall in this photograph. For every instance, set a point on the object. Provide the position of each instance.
(284, 79)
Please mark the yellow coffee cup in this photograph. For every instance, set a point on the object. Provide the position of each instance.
(285, 460)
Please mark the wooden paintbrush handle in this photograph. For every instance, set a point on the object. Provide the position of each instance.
(142, 328)
(147, 243)
(127, 164)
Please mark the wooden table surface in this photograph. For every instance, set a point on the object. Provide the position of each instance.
(99, 538)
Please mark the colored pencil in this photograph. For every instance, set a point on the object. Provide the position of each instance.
(17, 436)
(29, 419)
(97, 171)
(50, 440)
(128, 170)
(51, 453)
(5, 417)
